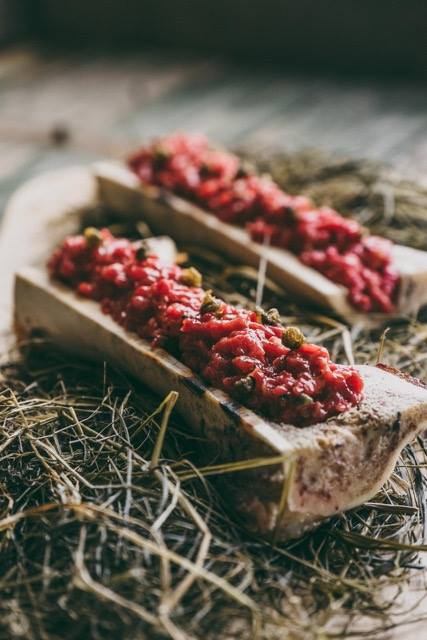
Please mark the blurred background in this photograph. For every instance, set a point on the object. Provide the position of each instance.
(81, 79)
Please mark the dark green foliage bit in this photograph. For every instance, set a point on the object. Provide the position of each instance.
(292, 338)
(210, 304)
(93, 236)
(191, 277)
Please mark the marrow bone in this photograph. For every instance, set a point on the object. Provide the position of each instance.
(328, 467)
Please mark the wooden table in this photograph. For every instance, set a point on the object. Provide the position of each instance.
(58, 110)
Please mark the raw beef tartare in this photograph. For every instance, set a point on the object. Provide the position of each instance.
(247, 353)
(219, 182)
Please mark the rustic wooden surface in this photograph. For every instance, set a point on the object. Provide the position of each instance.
(58, 110)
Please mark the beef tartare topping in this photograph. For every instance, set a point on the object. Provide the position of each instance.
(324, 240)
(268, 367)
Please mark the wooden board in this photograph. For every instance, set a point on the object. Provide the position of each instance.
(37, 217)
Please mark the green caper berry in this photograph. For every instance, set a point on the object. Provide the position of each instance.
(269, 317)
(303, 399)
(210, 304)
(292, 337)
(161, 152)
(92, 236)
(191, 277)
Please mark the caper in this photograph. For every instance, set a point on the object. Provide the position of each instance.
(292, 337)
(191, 277)
(245, 169)
(244, 386)
(270, 317)
(92, 236)
(303, 399)
(141, 251)
(210, 304)
(205, 170)
(160, 157)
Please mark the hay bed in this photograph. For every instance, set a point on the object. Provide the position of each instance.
(109, 532)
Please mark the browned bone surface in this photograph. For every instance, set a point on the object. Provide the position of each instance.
(185, 222)
(326, 468)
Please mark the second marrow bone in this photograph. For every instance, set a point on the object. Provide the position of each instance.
(121, 190)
